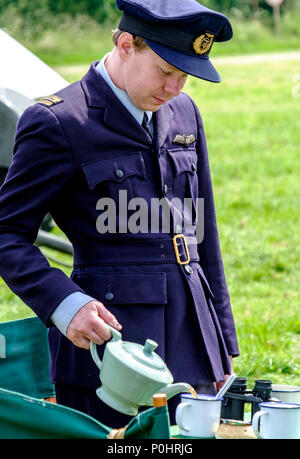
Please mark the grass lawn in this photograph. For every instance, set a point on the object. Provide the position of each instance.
(252, 123)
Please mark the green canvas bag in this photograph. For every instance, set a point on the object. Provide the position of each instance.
(25, 383)
(24, 357)
(24, 417)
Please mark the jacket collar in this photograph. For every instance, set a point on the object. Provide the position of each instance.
(99, 95)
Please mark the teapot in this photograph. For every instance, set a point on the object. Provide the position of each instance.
(131, 373)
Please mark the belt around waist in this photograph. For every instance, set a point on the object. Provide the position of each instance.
(179, 250)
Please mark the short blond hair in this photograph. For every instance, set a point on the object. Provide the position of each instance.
(138, 42)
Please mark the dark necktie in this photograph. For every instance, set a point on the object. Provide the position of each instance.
(146, 125)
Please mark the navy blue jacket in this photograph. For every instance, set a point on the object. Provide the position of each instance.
(68, 156)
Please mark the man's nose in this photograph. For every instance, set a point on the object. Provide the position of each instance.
(173, 86)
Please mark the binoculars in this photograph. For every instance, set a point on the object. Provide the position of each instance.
(237, 396)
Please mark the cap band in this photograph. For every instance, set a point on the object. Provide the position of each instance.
(161, 33)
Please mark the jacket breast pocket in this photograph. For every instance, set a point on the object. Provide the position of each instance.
(111, 176)
(185, 178)
(137, 299)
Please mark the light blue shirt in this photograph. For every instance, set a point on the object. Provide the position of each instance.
(67, 309)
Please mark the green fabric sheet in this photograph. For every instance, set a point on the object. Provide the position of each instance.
(24, 417)
(24, 358)
(25, 382)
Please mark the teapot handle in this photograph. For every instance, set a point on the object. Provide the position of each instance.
(116, 336)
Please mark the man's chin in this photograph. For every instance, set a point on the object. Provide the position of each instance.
(150, 107)
(154, 106)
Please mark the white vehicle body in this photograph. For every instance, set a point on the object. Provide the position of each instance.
(23, 79)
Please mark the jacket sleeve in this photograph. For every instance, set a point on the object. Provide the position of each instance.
(41, 167)
(209, 249)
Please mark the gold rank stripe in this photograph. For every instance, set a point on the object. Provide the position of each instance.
(50, 100)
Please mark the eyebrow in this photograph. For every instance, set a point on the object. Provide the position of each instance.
(172, 69)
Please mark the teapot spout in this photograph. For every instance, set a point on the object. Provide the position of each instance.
(173, 389)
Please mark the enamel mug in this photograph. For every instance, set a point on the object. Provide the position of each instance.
(278, 420)
(284, 393)
(198, 417)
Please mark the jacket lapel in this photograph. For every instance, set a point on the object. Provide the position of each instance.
(162, 124)
(116, 116)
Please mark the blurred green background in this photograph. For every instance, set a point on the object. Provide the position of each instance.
(65, 31)
(252, 121)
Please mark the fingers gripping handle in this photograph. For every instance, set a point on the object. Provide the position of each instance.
(116, 336)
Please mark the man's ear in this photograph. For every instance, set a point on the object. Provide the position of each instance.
(125, 45)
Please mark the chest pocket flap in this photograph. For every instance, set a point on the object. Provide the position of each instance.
(184, 160)
(115, 169)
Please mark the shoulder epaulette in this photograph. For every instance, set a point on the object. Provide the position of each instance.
(50, 100)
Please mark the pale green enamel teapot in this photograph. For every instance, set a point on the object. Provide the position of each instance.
(131, 374)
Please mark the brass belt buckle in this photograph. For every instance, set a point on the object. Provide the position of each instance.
(176, 245)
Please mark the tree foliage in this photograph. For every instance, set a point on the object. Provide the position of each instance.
(100, 10)
(104, 11)
(29, 19)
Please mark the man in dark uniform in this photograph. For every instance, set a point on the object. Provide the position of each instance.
(122, 136)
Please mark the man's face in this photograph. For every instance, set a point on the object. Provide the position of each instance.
(150, 81)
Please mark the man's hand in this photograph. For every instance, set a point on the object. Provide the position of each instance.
(218, 385)
(89, 324)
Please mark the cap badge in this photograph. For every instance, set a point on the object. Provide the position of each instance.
(203, 43)
(184, 139)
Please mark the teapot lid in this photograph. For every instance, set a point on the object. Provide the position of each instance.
(145, 354)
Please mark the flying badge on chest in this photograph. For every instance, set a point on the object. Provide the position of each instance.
(184, 139)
